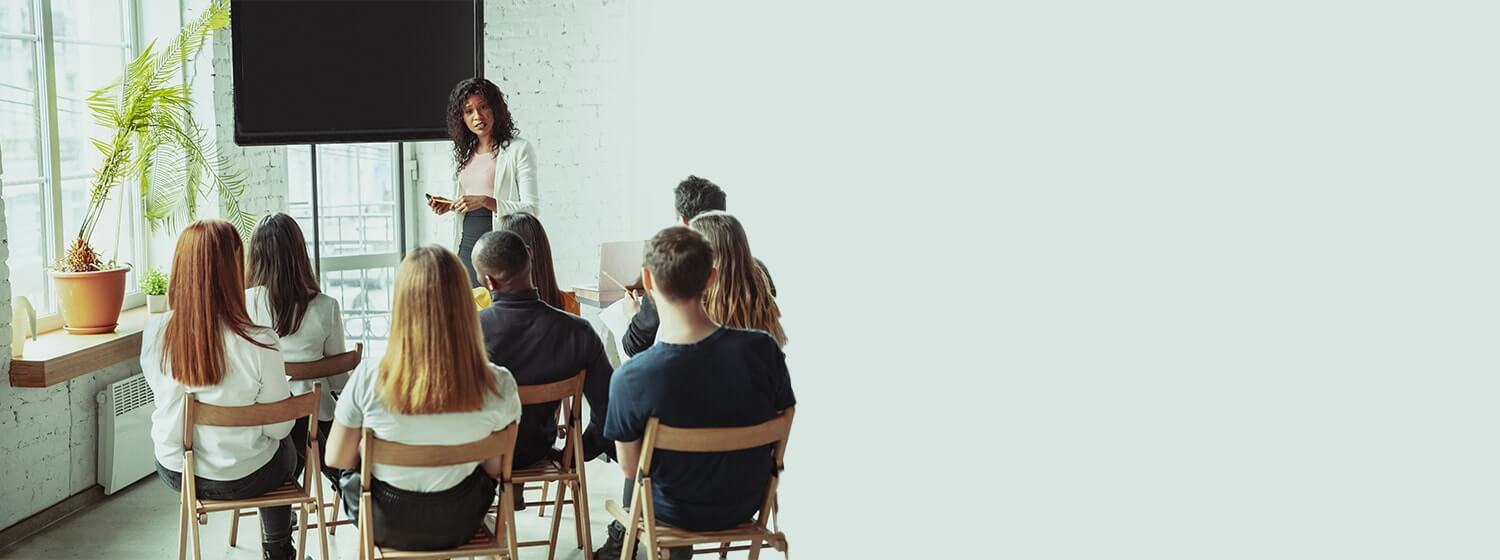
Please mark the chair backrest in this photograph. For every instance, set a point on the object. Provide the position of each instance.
(197, 413)
(718, 440)
(378, 451)
(326, 367)
(552, 392)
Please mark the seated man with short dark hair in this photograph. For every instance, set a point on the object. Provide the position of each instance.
(539, 344)
(698, 375)
(694, 195)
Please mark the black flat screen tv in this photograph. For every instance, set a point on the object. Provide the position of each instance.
(326, 71)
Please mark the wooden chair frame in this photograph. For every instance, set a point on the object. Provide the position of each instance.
(329, 366)
(642, 514)
(194, 511)
(485, 543)
(568, 473)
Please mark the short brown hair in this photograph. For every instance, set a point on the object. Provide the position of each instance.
(680, 261)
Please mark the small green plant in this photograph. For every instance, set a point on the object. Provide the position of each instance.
(155, 283)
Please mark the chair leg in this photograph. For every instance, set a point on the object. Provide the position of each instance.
(557, 502)
(197, 538)
(323, 529)
(542, 509)
(338, 503)
(182, 528)
(507, 514)
(627, 552)
(724, 550)
(581, 519)
(301, 530)
(234, 528)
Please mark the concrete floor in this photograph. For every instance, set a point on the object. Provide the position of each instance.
(141, 522)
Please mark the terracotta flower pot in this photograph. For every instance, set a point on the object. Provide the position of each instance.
(91, 301)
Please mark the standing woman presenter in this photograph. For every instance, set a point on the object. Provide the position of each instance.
(496, 170)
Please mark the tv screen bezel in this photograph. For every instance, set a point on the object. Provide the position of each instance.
(242, 138)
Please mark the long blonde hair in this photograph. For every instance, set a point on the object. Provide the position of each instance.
(435, 361)
(741, 296)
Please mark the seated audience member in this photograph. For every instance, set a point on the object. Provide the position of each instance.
(433, 387)
(694, 195)
(539, 344)
(284, 295)
(542, 275)
(699, 374)
(740, 295)
(208, 346)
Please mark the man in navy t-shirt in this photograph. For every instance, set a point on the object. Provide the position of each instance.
(698, 375)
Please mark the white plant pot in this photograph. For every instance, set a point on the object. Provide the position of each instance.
(156, 304)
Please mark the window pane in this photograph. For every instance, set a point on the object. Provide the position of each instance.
(356, 199)
(21, 144)
(299, 187)
(28, 246)
(365, 298)
(15, 16)
(90, 20)
(112, 238)
(81, 68)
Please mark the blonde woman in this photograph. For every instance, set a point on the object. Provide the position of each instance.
(741, 295)
(435, 386)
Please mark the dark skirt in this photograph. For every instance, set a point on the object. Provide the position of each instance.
(410, 520)
(476, 224)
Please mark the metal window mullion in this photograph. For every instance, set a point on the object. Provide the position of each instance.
(89, 43)
(47, 96)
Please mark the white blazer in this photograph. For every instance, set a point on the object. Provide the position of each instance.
(515, 184)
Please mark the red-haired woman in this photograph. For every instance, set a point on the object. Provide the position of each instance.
(207, 345)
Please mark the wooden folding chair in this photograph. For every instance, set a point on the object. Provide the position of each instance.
(484, 543)
(568, 473)
(193, 509)
(659, 537)
(329, 366)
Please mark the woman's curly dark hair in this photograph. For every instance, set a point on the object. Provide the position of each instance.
(465, 141)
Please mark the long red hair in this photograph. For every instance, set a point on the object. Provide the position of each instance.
(207, 295)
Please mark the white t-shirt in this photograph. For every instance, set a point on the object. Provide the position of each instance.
(359, 408)
(321, 334)
(252, 375)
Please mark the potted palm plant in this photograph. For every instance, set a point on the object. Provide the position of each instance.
(157, 143)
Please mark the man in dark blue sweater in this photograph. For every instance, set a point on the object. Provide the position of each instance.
(698, 374)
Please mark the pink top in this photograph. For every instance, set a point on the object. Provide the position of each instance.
(478, 177)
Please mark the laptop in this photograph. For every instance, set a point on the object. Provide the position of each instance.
(619, 268)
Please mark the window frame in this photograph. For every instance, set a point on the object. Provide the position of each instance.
(50, 182)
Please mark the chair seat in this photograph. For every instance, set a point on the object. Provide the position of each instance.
(483, 543)
(544, 471)
(289, 493)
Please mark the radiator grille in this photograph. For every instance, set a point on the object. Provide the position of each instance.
(131, 394)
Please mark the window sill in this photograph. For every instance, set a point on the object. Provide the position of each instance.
(56, 356)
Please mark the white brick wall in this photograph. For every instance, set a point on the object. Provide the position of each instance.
(562, 67)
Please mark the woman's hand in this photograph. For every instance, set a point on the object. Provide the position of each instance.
(439, 206)
(469, 202)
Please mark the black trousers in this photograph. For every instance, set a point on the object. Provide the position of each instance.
(423, 520)
(476, 224)
(275, 522)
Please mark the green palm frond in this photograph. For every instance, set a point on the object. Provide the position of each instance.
(157, 142)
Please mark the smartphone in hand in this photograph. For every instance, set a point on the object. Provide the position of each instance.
(440, 205)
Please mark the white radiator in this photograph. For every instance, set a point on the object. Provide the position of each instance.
(125, 449)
